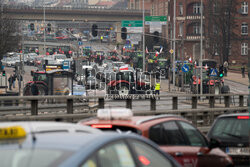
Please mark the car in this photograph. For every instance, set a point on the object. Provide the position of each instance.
(22, 145)
(174, 134)
(232, 130)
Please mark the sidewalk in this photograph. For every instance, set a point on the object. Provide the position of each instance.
(237, 77)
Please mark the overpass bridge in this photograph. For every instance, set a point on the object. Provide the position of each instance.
(87, 14)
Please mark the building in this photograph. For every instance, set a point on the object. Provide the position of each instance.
(138, 4)
(188, 35)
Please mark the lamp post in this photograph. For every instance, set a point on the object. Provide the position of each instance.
(143, 36)
(201, 52)
(174, 42)
(44, 28)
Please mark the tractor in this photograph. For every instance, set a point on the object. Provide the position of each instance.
(53, 82)
(129, 82)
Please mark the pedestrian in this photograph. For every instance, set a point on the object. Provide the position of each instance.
(34, 89)
(225, 67)
(243, 71)
(14, 80)
(10, 82)
(157, 88)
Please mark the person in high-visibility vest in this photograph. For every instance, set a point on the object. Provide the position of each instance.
(157, 88)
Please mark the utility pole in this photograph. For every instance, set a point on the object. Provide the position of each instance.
(201, 57)
(44, 28)
(174, 46)
(143, 36)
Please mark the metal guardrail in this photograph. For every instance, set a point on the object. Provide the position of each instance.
(201, 117)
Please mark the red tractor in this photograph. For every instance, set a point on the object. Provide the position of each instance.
(53, 82)
(128, 82)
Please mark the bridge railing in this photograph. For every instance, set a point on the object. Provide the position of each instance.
(202, 110)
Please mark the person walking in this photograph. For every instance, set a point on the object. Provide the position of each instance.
(10, 82)
(225, 67)
(157, 88)
(14, 80)
(243, 71)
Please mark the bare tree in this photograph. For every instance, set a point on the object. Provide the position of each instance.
(220, 16)
(9, 38)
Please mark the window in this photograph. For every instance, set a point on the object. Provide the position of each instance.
(91, 162)
(244, 8)
(181, 29)
(180, 9)
(244, 49)
(244, 29)
(196, 8)
(115, 155)
(167, 133)
(148, 156)
(196, 29)
(194, 136)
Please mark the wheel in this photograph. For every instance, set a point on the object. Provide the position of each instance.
(123, 90)
(42, 90)
(214, 90)
(27, 91)
(225, 89)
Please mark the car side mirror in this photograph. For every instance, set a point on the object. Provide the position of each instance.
(214, 143)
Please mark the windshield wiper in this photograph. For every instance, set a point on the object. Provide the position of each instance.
(229, 134)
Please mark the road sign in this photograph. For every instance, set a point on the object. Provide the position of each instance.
(156, 18)
(185, 68)
(66, 65)
(213, 72)
(171, 51)
(132, 23)
(80, 43)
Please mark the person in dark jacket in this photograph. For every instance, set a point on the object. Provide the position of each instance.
(243, 71)
(10, 82)
(34, 89)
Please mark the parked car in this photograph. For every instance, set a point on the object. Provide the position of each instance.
(74, 146)
(232, 130)
(174, 134)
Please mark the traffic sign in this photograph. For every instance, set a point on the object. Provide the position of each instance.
(132, 23)
(156, 18)
(185, 68)
(213, 72)
(80, 43)
(171, 51)
(66, 65)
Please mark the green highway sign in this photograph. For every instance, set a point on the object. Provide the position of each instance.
(156, 18)
(132, 23)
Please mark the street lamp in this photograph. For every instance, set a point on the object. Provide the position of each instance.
(143, 37)
(201, 51)
(44, 28)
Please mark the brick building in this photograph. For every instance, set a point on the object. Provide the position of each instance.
(188, 27)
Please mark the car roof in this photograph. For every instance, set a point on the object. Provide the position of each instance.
(46, 127)
(134, 121)
(233, 115)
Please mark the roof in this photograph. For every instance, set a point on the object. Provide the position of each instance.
(233, 115)
(134, 121)
(42, 127)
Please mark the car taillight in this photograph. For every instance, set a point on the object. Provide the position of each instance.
(144, 160)
(101, 126)
(242, 117)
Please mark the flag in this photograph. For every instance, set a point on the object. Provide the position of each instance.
(146, 49)
(157, 54)
(115, 48)
(47, 53)
(195, 65)
(124, 48)
(206, 67)
(161, 49)
(190, 60)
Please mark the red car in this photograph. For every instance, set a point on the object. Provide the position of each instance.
(174, 134)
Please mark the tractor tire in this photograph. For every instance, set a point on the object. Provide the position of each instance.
(27, 91)
(225, 89)
(43, 91)
(214, 90)
(123, 90)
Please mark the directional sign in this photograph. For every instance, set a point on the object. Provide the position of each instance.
(185, 68)
(66, 65)
(213, 72)
(132, 23)
(156, 18)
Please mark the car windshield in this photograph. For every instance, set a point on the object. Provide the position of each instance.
(32, 157)
(231, 129)
(60, 57)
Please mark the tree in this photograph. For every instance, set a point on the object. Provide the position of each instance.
(8, 32)
(220, 16)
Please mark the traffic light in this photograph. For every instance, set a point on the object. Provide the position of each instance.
(32, 28)
(124, 33)
(156, 36)
(221, 71)
(3, 73)
(49, 27)
(94, 30)
(208, 71)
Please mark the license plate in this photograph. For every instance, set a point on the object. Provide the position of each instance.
(238, 150)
